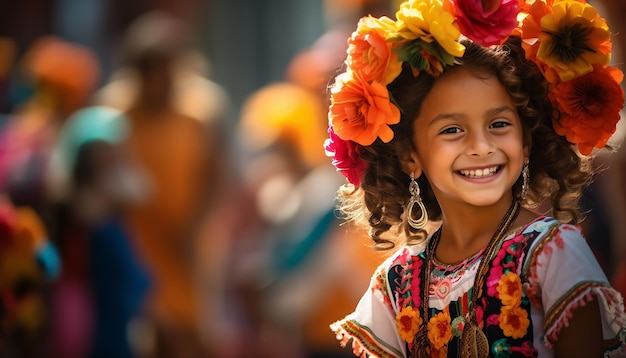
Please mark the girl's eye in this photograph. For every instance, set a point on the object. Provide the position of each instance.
(500, 124)
(451, 130)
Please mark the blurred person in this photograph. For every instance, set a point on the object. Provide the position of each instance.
(28, 263)
(192, 93)
(62, 76)
(100, 181)
(177, 120)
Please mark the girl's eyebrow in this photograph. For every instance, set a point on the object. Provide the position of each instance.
(498, 110)
(490, 113)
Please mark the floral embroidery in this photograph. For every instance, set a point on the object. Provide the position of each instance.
(510, 289)
(439, 353)
(501, 349)
(506, 259)
(514, 321)
(408, 322)
(439, 330)
(457, 326)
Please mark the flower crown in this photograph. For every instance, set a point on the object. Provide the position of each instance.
(567, 40)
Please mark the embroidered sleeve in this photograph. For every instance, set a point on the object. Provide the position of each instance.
(563, 274)
(372, 327)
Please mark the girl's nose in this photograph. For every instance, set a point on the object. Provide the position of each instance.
(479, 143)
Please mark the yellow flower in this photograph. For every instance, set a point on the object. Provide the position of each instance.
(573, 38)
(440, 330)
(408, 322)
(429, 20)
(510, 289)
(513, 321)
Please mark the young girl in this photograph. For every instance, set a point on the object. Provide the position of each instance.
(450, 129)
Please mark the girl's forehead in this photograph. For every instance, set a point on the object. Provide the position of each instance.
(463, 84)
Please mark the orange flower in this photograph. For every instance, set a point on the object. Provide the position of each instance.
(590, 108)
(510, 289)
(568, 37)
(440, 330)
(361, 111)
(370, 54)
(408, 322)
(513, 321)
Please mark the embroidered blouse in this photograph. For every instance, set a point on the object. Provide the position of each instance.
(538, 276)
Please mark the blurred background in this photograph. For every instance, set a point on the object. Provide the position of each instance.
(163, 186)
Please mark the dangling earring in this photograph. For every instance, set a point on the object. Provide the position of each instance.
(524, 181)
(420, 222)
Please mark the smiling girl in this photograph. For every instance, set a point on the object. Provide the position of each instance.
(450, 143)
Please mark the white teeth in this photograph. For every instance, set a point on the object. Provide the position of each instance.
(479, 173)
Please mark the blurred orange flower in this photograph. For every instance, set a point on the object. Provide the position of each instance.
(408, 322)
(590, 107)
(510, 289)
(370, 54)
(361, 111)
(513, 321)
(440, 330)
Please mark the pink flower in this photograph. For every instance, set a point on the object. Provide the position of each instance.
(345, 156)
(492, 280)
(480, 312)
(487, 22)
(492, 320)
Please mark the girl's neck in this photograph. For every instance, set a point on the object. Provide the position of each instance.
(468, 229)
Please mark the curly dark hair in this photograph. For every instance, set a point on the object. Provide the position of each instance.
(557, 173)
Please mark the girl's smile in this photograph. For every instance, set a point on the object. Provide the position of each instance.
(483, 174)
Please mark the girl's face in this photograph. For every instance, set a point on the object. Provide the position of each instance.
(468, 140)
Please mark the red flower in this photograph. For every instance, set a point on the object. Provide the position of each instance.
(487, 22)
(590, 107)
(345, 156)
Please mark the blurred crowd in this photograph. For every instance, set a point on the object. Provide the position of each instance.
(143, 213)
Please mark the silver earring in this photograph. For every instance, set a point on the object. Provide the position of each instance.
(422, 220)
(524, 181)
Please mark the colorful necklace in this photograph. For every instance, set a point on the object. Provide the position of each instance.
(474, 343)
